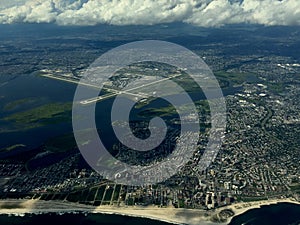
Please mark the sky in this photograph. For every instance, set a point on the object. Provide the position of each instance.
(205, 13)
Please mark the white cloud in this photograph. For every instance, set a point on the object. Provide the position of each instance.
(270, 12)
(124, 12)
(41, 13)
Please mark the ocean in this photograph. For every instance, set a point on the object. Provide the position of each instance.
(76, 219)
(277, 214)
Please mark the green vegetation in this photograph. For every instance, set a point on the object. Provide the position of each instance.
(100, 193)
(11, 205)
(130, 201)
(116, 193)
(236, 78)
(20, 102)
(186, 82)
(10, 148)
(253, 199)
(224, 78)
(181, 203)
(265, 120)
(295, 187)
(165, 111)
(276, 88)
(74, 197)
(108, 194)
(222, 216)
(201, 105)
(61, 143)
(217, 219)
(42, 115)
(91, 195)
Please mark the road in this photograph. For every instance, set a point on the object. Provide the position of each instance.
(128, 91)
(113, 92)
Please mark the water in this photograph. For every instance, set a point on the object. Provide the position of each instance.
(45, 91)
(49, 91)
(76, 219)
(277, 214)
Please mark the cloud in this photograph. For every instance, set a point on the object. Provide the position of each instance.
(147, 12)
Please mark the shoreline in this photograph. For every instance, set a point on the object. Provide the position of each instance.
(19, 207)
(242, 207)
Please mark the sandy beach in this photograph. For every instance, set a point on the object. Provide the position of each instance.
(242, 207)
(170, 215)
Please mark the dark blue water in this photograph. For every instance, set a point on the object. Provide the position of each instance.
(76, 219)
(45, 91)
(277, 214)
(49, 91)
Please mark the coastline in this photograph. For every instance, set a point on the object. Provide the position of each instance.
(170, 215)
(242, 207)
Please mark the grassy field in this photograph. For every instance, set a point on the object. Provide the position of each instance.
(276, 87)
(236, 78)
(201, 105)
(42, 115)
(19, 103)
